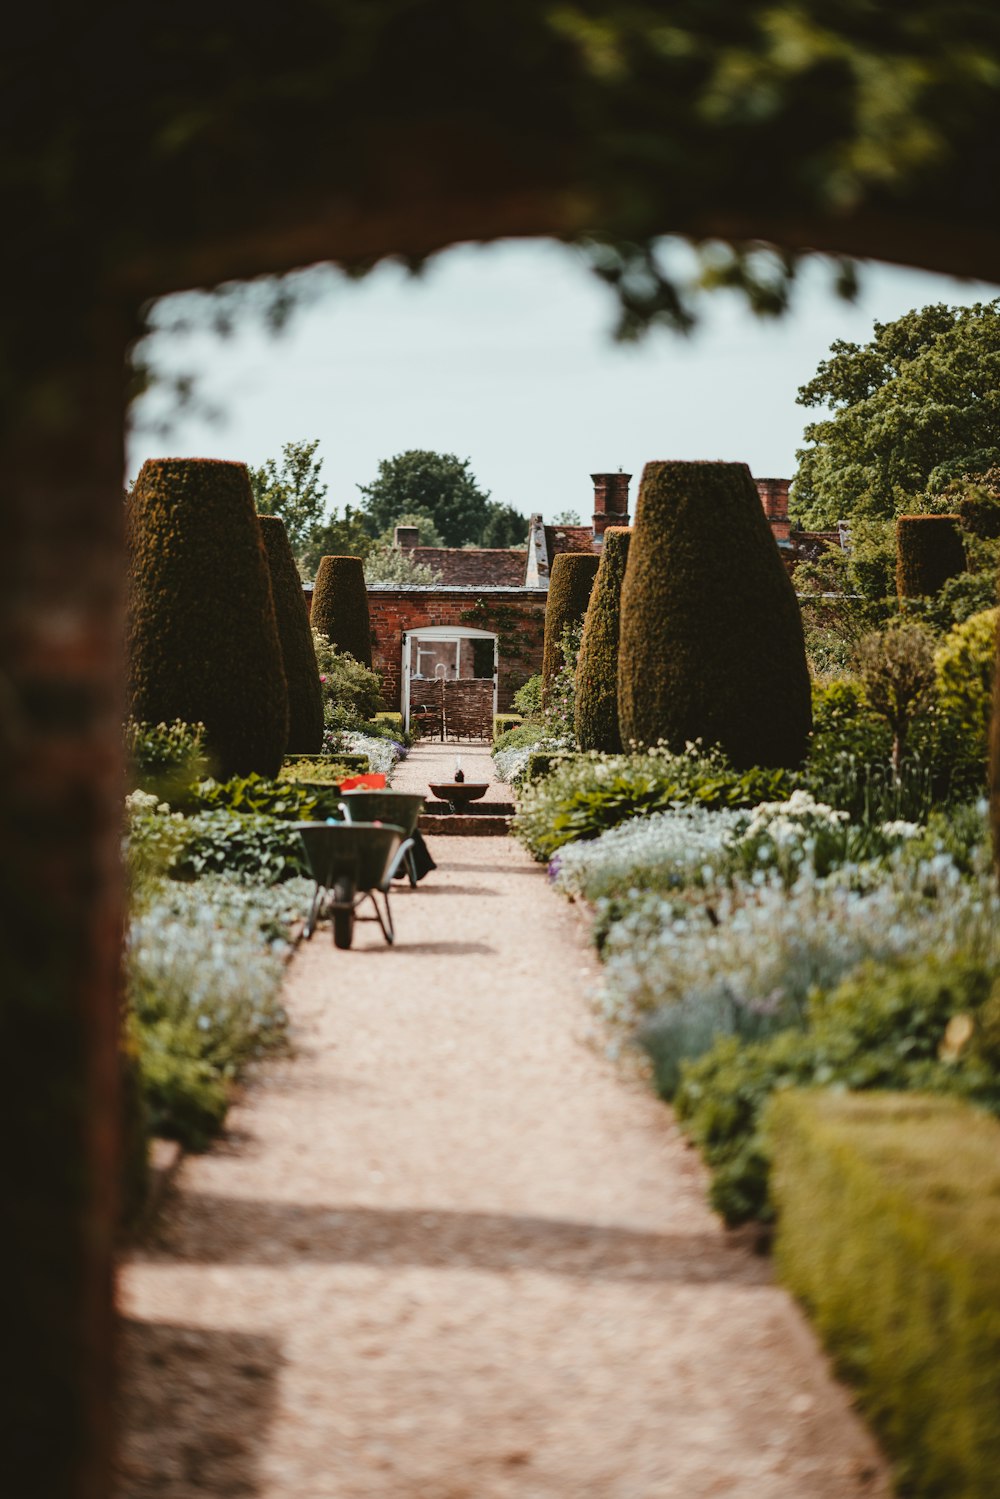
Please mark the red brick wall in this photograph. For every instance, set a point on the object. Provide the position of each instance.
(517, 615)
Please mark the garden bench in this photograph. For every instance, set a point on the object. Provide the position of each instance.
(352, 862)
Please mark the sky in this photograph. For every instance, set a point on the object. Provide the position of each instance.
(504, 355)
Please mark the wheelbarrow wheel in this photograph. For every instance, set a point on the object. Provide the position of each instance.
(343, 912)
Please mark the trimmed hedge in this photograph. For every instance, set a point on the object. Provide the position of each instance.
(340, 606)
(597, 670)
(394, 720)
(711, 645)
(504, 722)
(570, 581)
(889, 1232)
(202, 636)
(929, 551)
(305, 696)
(541, 763)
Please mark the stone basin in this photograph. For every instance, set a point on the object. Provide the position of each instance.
(459, 793)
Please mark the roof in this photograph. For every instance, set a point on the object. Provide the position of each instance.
(492, 567)
(568, 539)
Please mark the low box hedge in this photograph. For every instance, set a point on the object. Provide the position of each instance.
(504, 721)
(353, 764)
(541, 762)
(889, 1232)
(394, 720)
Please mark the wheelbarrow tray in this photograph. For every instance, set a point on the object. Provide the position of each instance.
(402, 808)
(351, 862)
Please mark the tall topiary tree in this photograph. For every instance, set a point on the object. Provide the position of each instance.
(597, 669)
(570, 581)
(202, 637)
(711, 643)
(929, 551)
(298, 654)
(340, 606)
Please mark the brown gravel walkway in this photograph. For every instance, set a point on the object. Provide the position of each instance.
(447, 1251)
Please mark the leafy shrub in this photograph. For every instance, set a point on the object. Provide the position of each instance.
(896, 668)
(711, 644)
(202, 638)
(929, 551)
(283, 799)
(340, 609)
(528, 699)
(586, 794)
(887, 1230)
(244, 847)
(298, 655)
(559, 713)
(964, 664)
(596, 720)
(502, 722)
(570, 582)
(326, 770)
(883, 1027)
(165, 759)
(352, 692)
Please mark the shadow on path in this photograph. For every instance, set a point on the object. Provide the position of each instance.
(210, 1229)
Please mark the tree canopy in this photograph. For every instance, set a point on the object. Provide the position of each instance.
(440, 486)
(292, 490)
(912, 410)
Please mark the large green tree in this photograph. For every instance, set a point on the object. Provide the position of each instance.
(439, 485)
(293, 490)
(913, 409)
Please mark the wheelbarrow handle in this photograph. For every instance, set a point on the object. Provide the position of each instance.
(401, 853)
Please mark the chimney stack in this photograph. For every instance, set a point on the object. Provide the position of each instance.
(774, 498)
(610, 501)
(406, 537)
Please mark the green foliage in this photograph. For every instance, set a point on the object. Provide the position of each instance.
(929, 551)
(520, 734)
(428, 534)
(887, 1231)
(298, 655)
(528, 698)
(202, 638)
(284, 799)
(503, 722)
(340, 536)
(352, 693)
(340, 607)
(711, 645)
(896, 670)
(541, 763)
(913, 409)
(186, 1098)
(596, 720)
(165, 759)
(437, 485)
(570, 581)
(326, 770)
(884, 1027)
(390, 721)
(388, 565)
(504, 527)
(965, 664)
(559, 713)
(243, 846)
(292, 490)
(585, 794)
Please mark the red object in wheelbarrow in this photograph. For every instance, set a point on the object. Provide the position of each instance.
(352, 862)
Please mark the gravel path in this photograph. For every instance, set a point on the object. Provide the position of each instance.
(448, 1251)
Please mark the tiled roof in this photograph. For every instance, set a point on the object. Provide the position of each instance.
(568, 539)
(499, 567)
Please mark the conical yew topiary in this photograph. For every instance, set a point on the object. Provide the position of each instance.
(202, 637)
(570, 582)
(929, 551)
(597, 669)
(340, 606)
(711, 645)
(298, 654)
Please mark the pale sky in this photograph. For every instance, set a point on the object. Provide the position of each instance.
(503, 355)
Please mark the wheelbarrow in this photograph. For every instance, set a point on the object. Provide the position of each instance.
(398, 808)
(351, 862)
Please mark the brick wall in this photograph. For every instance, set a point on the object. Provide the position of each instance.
(516, 615)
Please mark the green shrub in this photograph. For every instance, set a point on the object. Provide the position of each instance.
(541, 764)
(166, 759)
(284, 799)
(520, 735)
(328, 770)
(305, 700)
(528, 697)
(884, 1027)
(582, 796)
(503, 722)
(965, 663)
(352, 692)
(202, 639)
(340, 609)
(244, 846)
(596, 720)
(186, 1098)
(929, 551)
(570, 581)
(711, 646)
(888, 1227)
(390, 721)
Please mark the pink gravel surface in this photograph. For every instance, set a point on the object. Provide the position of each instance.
(448, 1250)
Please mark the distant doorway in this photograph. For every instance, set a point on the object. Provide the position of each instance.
(450, 676)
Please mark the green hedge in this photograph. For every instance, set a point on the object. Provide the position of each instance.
(889, 1232)
(570, 581)
(340, 606)
(298, 654)
(929, 551)
(504, 722)
(202, 638)
(597, 669)
(541, 763)
(394, 720)
(711, 644)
